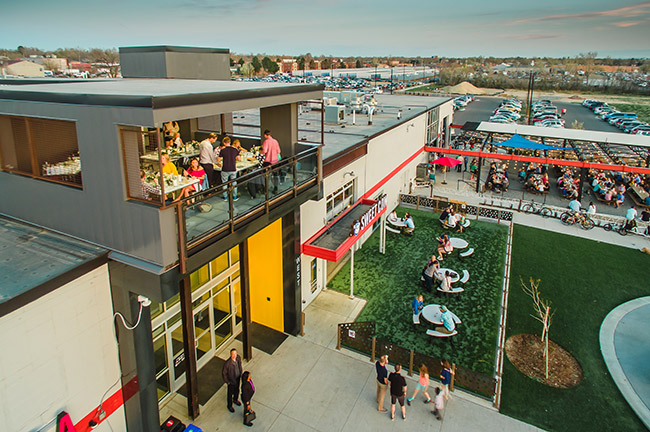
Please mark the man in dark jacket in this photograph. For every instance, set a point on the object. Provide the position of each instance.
(231, 373)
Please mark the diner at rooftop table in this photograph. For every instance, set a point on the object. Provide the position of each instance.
(497, 178)
(444, 320)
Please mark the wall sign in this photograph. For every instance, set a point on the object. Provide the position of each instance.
(64, 423)
(370, 214)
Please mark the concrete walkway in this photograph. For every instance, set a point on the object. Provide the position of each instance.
(625, 345)
(307, 385)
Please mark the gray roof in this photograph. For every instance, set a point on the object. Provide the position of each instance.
(31, 256)
(153, 93)
(173, 48)
(562, 133)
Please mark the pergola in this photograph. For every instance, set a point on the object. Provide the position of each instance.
(576, 148)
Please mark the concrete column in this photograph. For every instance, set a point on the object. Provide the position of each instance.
(282, 121)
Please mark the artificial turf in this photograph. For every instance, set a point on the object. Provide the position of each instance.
(584, 280)
(389, 282)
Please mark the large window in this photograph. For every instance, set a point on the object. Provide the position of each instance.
(432, 125)
(42, 148)
(339, 200)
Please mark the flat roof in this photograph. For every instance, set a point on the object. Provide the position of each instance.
(173, 48)
(30, 256)
(616, 138)
(152, 93)
(339, 137)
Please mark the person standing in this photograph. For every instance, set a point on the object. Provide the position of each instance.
(438, 403)
(207, 157)
(382, 381)
(445, 376)
(397, 391)
(231, 374)
(271, 152)
(229, 155)
(247, 391)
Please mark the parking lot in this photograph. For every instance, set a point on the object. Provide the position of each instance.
(483, 106)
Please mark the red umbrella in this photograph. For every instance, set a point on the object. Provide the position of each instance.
(448, 162)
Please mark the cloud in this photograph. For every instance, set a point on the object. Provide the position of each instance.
(536, 36)
(627, 23)
(633, 11)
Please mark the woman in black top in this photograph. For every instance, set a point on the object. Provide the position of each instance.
(247, 391)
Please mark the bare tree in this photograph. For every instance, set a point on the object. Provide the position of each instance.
(542, 312)
(108, 59)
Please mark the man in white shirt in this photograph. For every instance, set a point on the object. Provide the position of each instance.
(207, 157)
(630, 218)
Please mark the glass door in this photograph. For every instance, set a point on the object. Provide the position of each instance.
(176, 354)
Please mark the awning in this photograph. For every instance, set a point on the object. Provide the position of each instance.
(517, 141)
(337, 237)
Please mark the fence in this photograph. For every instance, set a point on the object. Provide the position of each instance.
(437, 203)
(360, 337)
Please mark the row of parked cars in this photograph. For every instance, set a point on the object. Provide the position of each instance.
(462, 101)
(627, 122)
(508, 111)
(544, 113)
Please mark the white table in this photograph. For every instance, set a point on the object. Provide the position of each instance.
(241, 165)
(399, 223)
(454, 276)
(458, 243)
(182, 184)
(432, 314)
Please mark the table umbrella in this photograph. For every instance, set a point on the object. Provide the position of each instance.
(448, 162)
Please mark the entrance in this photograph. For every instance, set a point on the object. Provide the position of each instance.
(216, 305)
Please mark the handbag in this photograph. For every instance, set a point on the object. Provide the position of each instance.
(250, 416)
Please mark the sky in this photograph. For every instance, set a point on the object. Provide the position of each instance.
(338, 28)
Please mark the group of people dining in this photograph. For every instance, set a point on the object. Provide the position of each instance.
(497, 178)
(534, 177)
(606, 187)
(450, 219)
(568, 184)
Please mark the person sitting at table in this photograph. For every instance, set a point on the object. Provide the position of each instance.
(167, 166)
(618, 200)
(444, 246)
(460, 222)
(417, 304)
(236, 144)
(445, 214)
(147, 189)
(448, 326)
(591, 210)
(169, 143)
(409, 225)
(178, 142)
(445, 282)
(646, 201)
(645, 215)
(392, 217)
(196, 170)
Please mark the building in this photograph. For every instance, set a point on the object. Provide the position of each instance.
(288, 65)
(195, 273)
(23, 68)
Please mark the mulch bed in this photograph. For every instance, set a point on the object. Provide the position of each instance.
(525, 352)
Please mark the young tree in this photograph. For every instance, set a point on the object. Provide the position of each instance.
(543, 313)
(358, 65)
(241, 61)
(247, 69)
(301, 63)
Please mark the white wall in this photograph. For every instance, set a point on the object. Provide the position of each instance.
(60, 354)
(385, 153)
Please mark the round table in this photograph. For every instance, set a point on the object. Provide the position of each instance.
(454, 276)
(432, 314)
(458, 243)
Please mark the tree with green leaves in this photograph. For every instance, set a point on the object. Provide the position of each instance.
(247, 69)
(301, 62)
(358, 65)
(257, 66)
(241, 61)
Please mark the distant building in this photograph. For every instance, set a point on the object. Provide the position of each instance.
(80, 66)
(288, 65)
(55, 64)
(23, 68)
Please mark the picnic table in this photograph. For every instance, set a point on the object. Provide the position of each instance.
(453, 276)
(432, 314)
(639, 195)
(458, 243)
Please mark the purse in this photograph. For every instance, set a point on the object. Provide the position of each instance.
(250, 416)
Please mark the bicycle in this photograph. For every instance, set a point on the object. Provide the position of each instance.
(572, 218)
(623, 229)
(532, 208)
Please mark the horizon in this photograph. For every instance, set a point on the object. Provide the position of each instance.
(509, 29)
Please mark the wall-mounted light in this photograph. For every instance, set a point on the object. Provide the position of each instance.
(350, 173)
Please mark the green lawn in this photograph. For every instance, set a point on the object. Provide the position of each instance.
(430, 88)
(389, 282)
(585, 280)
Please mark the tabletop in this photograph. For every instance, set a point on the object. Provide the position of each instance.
(432, 314)
(241, 165)
(153, 156)
(396, 222)
(458, 243)
(641, 193)
(182, 182)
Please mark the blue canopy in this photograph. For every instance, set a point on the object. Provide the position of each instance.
(517, 141)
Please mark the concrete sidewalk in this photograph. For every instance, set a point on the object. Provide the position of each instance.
(307, 385)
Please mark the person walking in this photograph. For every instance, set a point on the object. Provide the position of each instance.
(207, 157)
(423, 384)
(271, 151)
(397, 391)
(382, 381)
(445, 376)
(438, 403)
(229, 155)
(247, 391)
(231, 374)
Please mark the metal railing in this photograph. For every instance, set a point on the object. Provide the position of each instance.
(226, 207)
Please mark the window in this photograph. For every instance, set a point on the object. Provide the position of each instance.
(140, 153)
(314, 275)
(432, 125)
(42, 148)
(341, 199)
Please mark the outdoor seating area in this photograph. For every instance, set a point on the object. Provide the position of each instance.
(389, 297)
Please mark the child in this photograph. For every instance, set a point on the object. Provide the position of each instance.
(423, 384)
(445, 375)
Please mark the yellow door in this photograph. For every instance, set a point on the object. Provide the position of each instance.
(265, 273)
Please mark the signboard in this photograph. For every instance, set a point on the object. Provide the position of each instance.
(352, 334)
(373, 211)
(64, 423)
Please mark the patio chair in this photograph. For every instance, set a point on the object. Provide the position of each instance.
(465, 254)
(465, 277)
(435, 333)
(454, 290)
(416, 318)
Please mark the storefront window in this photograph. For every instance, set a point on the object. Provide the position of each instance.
(172, 301)
(199, 277)
(234, 255)
(220, 264)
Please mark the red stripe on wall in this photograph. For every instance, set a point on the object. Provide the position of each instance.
(110, 405)
(392, 174)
